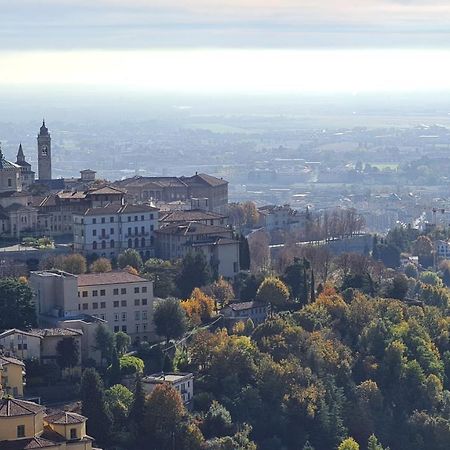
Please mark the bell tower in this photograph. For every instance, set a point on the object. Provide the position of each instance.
(44, 153)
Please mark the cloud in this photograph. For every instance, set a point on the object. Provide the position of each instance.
(140, 24)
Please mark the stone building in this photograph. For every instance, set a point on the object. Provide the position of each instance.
(169, 189)
(26, 174)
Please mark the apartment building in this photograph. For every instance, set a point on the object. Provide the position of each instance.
(109, 230)
(20, 344)
(218, 244)
(12, 376)
(122, 299)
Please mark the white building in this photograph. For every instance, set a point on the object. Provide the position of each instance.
(242, 311)
(21, 344)
(442, 249)
(111, 229)
(183, 382)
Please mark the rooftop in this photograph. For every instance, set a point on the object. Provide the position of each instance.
(16, 331)
(192, 215)
(64, 417)
(12, 407)
(51, 332)
(8, 360)
(242, 306)
(192, 228)
(171, 377)
(116, 277)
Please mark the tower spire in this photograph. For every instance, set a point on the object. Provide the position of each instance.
(20, 154)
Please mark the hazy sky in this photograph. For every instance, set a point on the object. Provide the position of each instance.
(228, 45)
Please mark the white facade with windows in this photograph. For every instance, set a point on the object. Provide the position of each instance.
(123, 300)
(183, 382)
(107, 231)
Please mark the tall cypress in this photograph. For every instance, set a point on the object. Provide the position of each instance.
(94, 407)
(313, 287)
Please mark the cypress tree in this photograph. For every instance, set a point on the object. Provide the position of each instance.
(137, 410)
(114, 375)
(93, 406)
(313, 287)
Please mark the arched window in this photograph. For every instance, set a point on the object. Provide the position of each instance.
(94, 245)
(143, 242)
(130, 243)
(103, 244)
(136, 243)
(152, 239)
(111, 244)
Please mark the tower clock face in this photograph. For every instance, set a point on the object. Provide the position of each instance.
(44, 150)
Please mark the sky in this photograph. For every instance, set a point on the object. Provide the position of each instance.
(227, 45)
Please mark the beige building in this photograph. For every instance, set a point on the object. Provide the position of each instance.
(183, 382)
(21, 344)
(123, 300)
(51, 337)
(172, 189)
(12, 376)
(26, 425)
(217, 243)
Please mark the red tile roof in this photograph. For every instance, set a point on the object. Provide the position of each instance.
(11, 407)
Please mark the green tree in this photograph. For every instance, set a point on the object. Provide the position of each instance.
(137, 409)
(399, 287)
(373, 444)
(244, 253)
(104, 339)
(123, 342)
(119, 400)
(170, 319)
(67, 353)
(101, 265)
(411, 271)
(130, 257)
(94, 407)
(273, 291)
(431, 278)
(163, 274)
(217, 422)
(114, 375)
(75, 264)
(195, 272)
(16, 305)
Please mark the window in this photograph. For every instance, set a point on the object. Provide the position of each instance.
(111, 231)
(144, 302)
(94, 232)
(116, 317)
(145, 329)
(143, 242)
(136, 243)
(151, 216)
(144, 315)
(123, 303)
(116, 303)
(136, 302)
(94, 293)
(103, 220)
(111, 219)
(73, 433)
(116, 291)
(129, 218)
(103, 244)
(102, 292)
(116, 328)
(142, 217)
(137, 315)
(123, 291)
(102, 305)
(137, 328)
(95, 305)
(94, 245)
(20, 431)
(135, 218)
(94, 221)
(152, 227)
(85, 306)
(136, 230)
(124, 328)
(124, 317)
(136, 290)
(130, 243)
(144, 289)
(112, 243)
(85, 293)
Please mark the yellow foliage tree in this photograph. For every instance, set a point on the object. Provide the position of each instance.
(199, 307)
(273, 291)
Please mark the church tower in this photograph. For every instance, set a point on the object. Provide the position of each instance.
(44, 153)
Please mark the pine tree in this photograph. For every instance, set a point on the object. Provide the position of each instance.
(373, 444)
(313, 287)
(114, 376)
(137, 410)
(93, 406)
